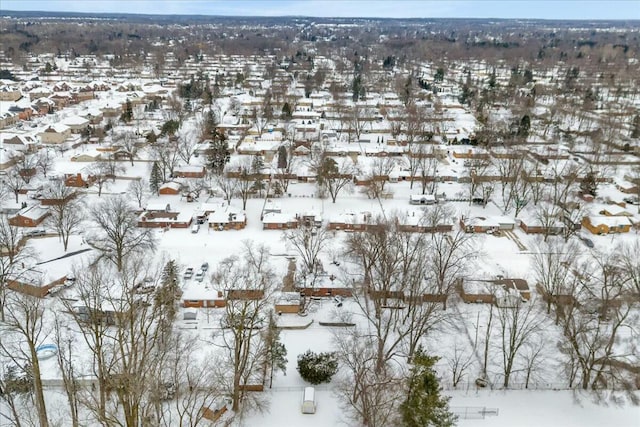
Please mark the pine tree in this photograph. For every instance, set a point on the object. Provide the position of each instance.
(169, 292)
(282, 157)
(589, 184)
(635, 127)
(127, 114)
(218, 155)
(524, 126)
(155, 179)
(276, 352)
(424, 405)
(286, 112)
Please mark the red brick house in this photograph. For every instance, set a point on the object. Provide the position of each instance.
(170, 188)
(189, 171)
(279, 221)
(79, 180)
(34, 282)
(31, 216)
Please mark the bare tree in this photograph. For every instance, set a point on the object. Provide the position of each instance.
(187, 142)
(127, 144)
(65, 339)
(517, 325)
(139, 190)
(550, 263)
(66, 214)
(249, 282)
(100, 172)
(371, 397)
(24, 331)
(428, 166)
(12, 258)
(227, 186)
(333, 175)
(25, 165)
(44, 161)
(459, 362)
(378, 176)
(167, 155)
(195, 385)
(309, 242)
(13, 182)
(389, 271)
(117, 235)
(450, 257)
(596, 356)
(515, 188)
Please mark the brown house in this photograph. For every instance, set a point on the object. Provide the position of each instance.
(158, 219)
(48, 200)
(279, 221)
(31, 216)
(189, 171)
(79, 180)
(170, 188)
(34, 282)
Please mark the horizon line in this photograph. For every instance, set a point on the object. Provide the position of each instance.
(5, 12)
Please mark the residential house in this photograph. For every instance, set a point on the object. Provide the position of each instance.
(9, 93)
(189, 171)
(501, 292)
(279, 221)
(227, 217)
(55, 134)
(35, 281)
(76, 124)
(23, 143)
(170, 188)
(31, 216)
(606, 224)
(79, 180)
(420, 222)
(422, 199)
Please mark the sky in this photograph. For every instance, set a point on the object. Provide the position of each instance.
(532, 9)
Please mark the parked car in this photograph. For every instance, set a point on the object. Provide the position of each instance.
(36, 232)
(188, 273)
(204, 266)
(200, 276)
(195, 228)
(588, 242)
(632, 200)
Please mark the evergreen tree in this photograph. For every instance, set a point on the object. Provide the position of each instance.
(155, 180)
(276, 352)
(424, 405)
(218, 155)
(286, 112)
(317, 368)
(127, 114)
(635, 127)
(170, 127)
(282, 157)
(524, 126)
(492, 79)
(589, 184)
(439, 76)
(168, 294)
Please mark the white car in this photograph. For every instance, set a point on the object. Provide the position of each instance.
(200, 276)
